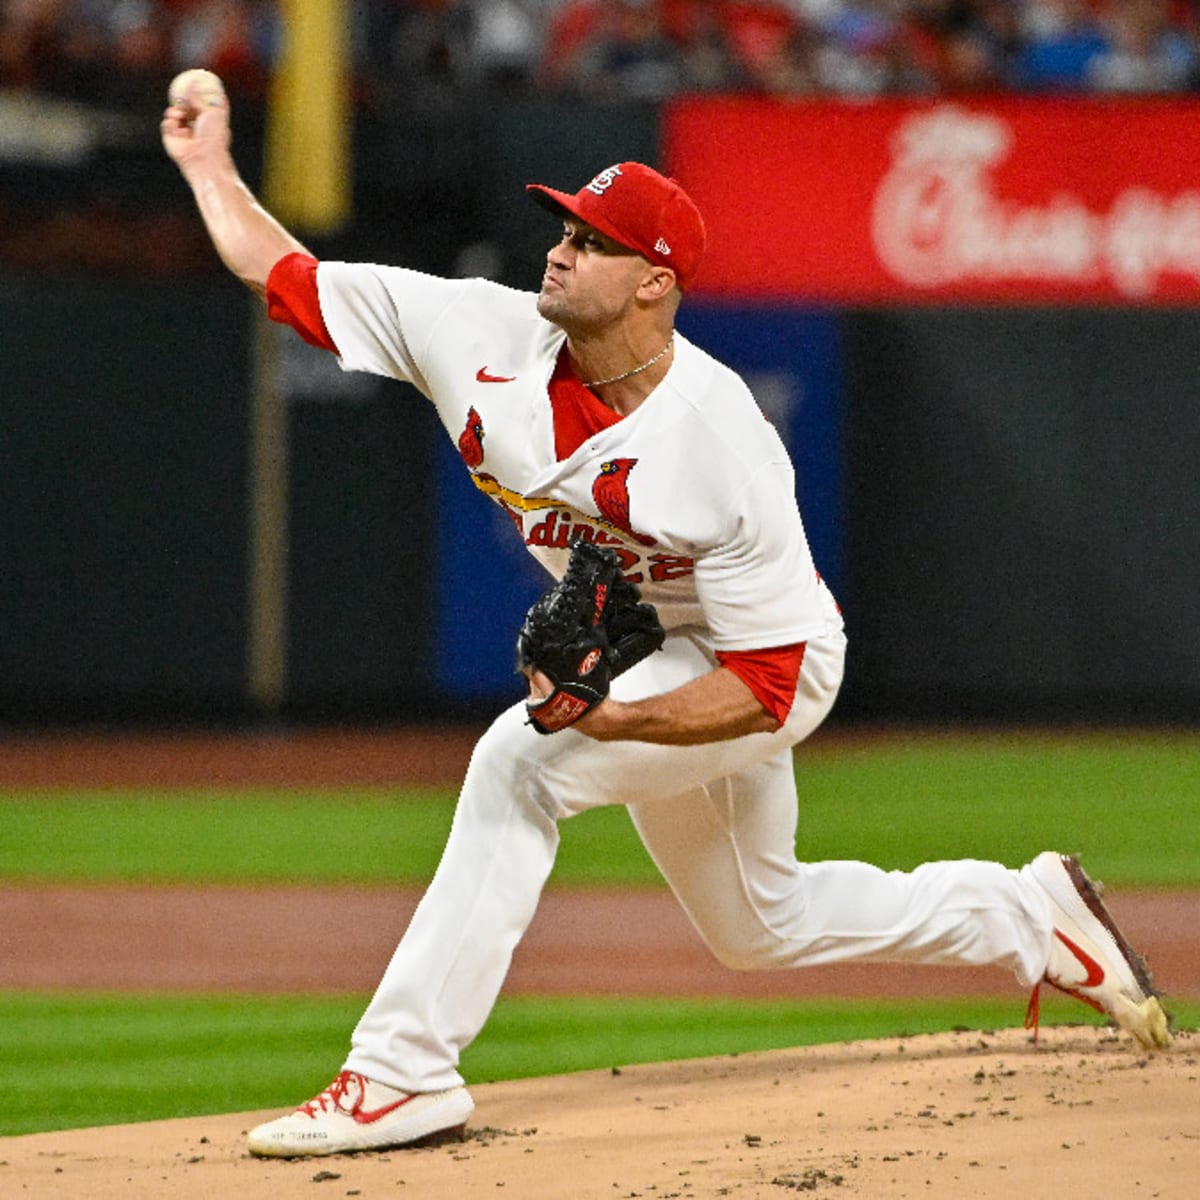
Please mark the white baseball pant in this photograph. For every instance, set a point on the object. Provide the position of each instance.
(719, 820)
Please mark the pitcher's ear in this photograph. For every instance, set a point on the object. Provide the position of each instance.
(657, 282)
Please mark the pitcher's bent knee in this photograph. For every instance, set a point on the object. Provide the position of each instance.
(763, 952)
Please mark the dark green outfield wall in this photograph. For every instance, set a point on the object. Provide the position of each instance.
(122, 499)
(1023, 513)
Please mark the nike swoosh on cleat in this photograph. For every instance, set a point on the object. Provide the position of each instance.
(482, 376)
(369, 1118)
(1095, 972)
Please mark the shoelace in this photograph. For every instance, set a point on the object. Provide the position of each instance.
(1033, 1010)
(332, 1096)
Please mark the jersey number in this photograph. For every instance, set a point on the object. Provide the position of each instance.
(662, 567)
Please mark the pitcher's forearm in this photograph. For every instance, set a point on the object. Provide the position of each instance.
(711, 708)
(249, 240)
(197, 137)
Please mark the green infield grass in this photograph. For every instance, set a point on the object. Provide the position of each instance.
(76, 1060)
(1129, 804)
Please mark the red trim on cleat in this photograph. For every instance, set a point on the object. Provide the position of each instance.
(1094, 978)
(1094, 962)
(339, 1089)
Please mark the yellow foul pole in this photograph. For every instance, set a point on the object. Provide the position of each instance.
(307, 186)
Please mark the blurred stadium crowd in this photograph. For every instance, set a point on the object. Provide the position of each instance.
(84, 186)
(414, 51)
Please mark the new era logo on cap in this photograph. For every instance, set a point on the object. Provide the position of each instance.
(634, 205)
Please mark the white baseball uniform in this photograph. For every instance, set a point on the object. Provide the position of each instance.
(695, 491)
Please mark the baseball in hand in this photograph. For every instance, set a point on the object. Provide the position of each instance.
(195, 90)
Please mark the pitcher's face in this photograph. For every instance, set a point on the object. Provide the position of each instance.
(590, 280)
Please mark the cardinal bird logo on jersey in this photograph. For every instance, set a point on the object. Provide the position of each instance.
(470, 441)
(610, 491)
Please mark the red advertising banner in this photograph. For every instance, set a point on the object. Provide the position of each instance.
(1005, 201)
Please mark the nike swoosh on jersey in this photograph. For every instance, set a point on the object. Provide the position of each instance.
(482, 376)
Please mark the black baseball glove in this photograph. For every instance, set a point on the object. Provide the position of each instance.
(585, 631)
(633, 628)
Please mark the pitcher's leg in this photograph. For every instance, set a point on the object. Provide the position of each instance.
(443, 979)
(727, 850)
(965, 912)
(738, 884)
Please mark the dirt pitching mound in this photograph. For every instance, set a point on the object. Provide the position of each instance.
(1085, 1113)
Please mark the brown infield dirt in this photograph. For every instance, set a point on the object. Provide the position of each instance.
(1084, 1113)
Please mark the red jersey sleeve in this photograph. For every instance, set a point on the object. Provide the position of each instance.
(771, 675)
(292, 299)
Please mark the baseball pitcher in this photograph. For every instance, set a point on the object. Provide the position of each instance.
(689, 645)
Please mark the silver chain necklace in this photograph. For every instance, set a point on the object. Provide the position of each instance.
(636, 370)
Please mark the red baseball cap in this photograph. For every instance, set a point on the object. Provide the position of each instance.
(634, 205)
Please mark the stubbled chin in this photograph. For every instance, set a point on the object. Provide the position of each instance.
(549, 306)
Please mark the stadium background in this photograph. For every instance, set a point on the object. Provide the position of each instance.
(999, 491)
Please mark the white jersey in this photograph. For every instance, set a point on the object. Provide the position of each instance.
(694, 489)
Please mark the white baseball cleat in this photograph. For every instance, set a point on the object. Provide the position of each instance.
(356, 1113)
(1090, 958)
